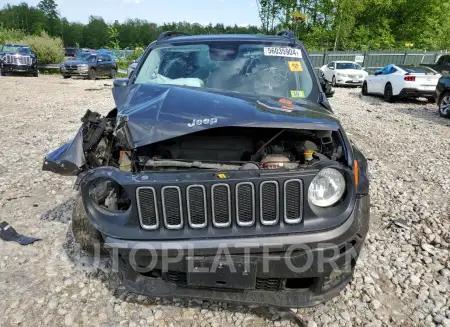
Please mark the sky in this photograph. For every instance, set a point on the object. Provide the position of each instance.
(228, 12)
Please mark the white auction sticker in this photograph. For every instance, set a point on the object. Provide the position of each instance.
(283, 52)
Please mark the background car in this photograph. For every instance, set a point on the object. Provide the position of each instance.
(442, 96)
(90, 65)
(402, 81)
(18, 58)
(442, 65)
(71, 52)
(133, 66)
(344, 73)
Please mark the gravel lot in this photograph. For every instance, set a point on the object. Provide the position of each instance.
(402, 278)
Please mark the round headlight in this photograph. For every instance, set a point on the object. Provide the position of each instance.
(326, 188)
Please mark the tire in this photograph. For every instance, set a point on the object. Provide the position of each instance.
(333, 81)
(83, 231)
(36, 73)
(2, 73)
(66, 76)
(112, 74)
(388, 96)
(364, 89)
(92, 74)
(444, 105)
(431, 100)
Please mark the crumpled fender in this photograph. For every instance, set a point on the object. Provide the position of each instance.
(68, 159)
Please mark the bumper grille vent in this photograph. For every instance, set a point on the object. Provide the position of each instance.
(221, 205)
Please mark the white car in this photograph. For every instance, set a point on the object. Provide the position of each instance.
(344, 73)
(402, 81)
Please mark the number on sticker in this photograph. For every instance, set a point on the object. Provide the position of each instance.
(297, 94)
(282, 52)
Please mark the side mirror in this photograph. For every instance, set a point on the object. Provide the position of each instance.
(332, 68)
(363, 68)
(326, 87)
(120, 82)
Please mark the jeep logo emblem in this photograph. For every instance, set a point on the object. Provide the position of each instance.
(205, 121)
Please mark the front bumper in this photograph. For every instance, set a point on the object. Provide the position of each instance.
(340, 80)
(74, 72)
(416, 93)
(296, 270)
(11, 68)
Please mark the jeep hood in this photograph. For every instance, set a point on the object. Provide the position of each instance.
(153, 113)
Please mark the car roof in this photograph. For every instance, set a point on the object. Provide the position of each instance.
(16, 45)
(225, 37)
(345, 62)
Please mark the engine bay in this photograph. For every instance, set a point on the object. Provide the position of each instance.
(216, 148)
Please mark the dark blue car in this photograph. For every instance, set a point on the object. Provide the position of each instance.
(18, 58)
(222, 173)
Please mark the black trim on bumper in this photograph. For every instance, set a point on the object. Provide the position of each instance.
(7, 68)
(318, 283)
(416, 93)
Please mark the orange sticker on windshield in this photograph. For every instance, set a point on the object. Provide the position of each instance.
(295, 66)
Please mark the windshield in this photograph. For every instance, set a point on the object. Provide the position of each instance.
(15, 49)
(256, 68)
(86, 57)
(347, 65)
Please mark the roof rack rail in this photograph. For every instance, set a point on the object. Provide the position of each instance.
(287, 33)
(168, 34)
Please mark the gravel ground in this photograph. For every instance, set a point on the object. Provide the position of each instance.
(402, 277)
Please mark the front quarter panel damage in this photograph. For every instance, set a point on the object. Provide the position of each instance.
(67, 160)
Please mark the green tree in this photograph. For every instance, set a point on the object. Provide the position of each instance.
(50, 9)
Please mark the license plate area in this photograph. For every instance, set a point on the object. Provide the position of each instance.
(234, 274)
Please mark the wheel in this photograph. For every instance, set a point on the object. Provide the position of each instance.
(431, 100)
(66, 76)
(2, 73)
(388, 96)
(92, 74)
(444, 105)
(83, 231)
(333, 82)
(36, 73)
(112, 74)
(364, 89)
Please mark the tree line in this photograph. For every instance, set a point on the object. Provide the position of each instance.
(361, 24)
(320, 24)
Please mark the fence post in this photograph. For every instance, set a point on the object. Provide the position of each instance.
(365, 58)
(324, 58)
(404, 58)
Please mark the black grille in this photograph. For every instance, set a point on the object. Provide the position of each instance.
(196, 204)
(221, 205)
(293, 201)
(264, 203)
(171, 198)
(269, 203)
(148, 210)
(268, 284)
(245, 204)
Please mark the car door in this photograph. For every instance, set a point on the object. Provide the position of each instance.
(378, 80)
(329, 71)
(101, 65)
(109, 64)
(444, 67)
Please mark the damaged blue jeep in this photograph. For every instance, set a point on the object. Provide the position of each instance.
(221, 174)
